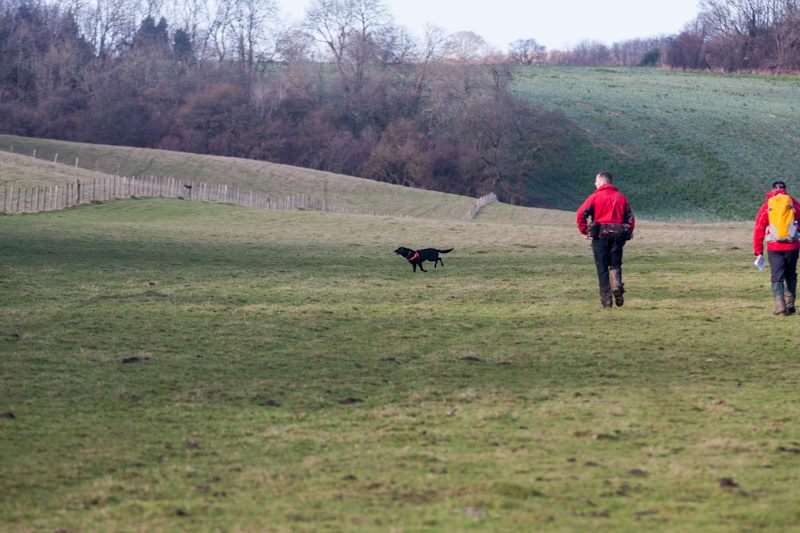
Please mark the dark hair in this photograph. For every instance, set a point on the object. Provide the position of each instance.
(779, 184)
(606, 175)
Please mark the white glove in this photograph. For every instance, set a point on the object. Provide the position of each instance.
(759, 263)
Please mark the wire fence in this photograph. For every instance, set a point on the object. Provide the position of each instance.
(37, 199)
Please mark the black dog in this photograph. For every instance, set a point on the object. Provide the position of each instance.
(416, 257)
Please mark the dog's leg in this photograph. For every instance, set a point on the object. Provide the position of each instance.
(414, 266)
(420, 267)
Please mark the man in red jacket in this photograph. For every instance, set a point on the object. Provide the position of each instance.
(782, 244)
(611, 227)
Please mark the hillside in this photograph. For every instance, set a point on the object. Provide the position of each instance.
(24, 171)
(354, 194)
(696, 145)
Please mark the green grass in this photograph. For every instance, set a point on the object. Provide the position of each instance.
(344, 192)
(697, 145)
(293, 374)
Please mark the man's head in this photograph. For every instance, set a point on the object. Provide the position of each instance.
(779, 185)
(603, 178)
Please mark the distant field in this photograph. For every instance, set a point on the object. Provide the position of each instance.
(684, 145)
(355, 194)
(186, 366)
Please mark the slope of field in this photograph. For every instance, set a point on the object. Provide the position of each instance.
(683, 144)
(353, 194)
(174, 365)
(23, 171)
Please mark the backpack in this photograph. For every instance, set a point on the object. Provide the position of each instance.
(782, 223)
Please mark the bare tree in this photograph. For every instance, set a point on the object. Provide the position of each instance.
(527, 52)
(250, 24)
(465, 47)
(108, 23)
(587, 53)
(293, 45)
(395, 45)
(430, 52)
(219, 29)
(191, 16)
(747, 33)
(347, 29)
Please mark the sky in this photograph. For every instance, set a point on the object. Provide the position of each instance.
(557, 24)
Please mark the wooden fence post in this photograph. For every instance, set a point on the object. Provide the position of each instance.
(78, 196)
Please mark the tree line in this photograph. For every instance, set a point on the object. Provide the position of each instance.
(346, 91)
(736, 35)
(726, 35)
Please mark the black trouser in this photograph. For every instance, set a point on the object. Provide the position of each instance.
(607, 254)
(784, 268)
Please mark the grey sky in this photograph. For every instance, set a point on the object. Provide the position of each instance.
(554, 23)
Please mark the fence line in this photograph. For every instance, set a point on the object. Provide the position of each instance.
(17, 200)
(37, 199)
(480, 203)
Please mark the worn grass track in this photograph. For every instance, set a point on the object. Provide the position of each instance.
(288, 372)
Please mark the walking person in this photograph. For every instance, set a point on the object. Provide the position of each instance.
(776, 221)
(612, 224)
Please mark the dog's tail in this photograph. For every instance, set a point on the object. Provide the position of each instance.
(445, 251)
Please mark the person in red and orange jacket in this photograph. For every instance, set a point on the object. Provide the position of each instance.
(612, 224)
(782, 254)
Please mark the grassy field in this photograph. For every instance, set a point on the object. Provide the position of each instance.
(184, 366)
(700, 145)
(23, 171)
(353, 194)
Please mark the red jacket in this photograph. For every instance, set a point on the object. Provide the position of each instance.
(606, 205)
(760, 228)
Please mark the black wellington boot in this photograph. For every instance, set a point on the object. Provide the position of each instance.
(790, 292)
(778, 292)
(617, 287)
